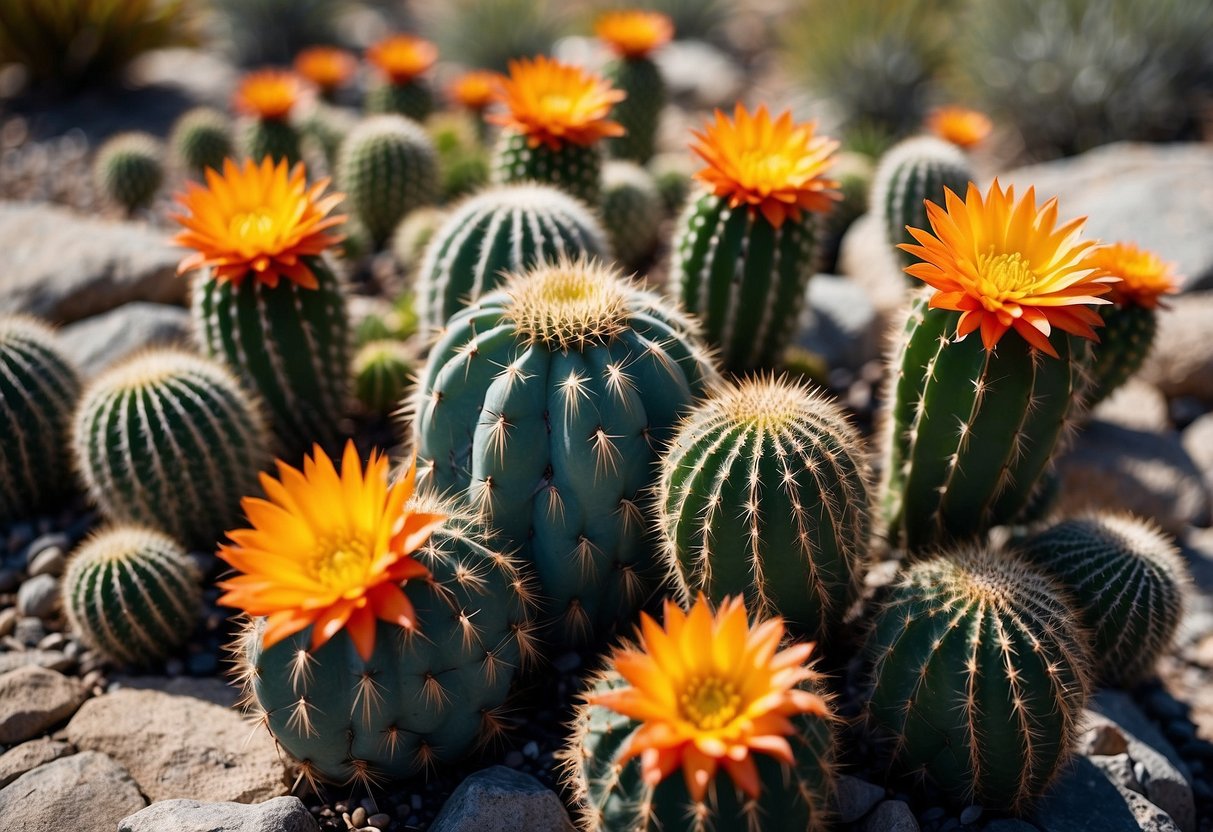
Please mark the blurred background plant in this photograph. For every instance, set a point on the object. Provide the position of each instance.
(273, 31)
(487, 34)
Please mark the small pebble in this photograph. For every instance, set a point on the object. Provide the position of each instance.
(58, 540)
(8, 621)
(38, 596)
(380, 819)
(49, 561)
(971, 814)
(29, 631)
(53, 641)
(531, 750)
(358, 817)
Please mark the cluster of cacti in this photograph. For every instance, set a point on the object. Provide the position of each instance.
(38, 389)
(132, 594)
(400, 90)
(910, 173)
(382, 371)
(633, 37)
(201, 139)
(631, 209)
(128, 170)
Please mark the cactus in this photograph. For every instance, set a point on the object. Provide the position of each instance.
(632, 210)
(764, 492)
(268, 138)
(979, 677)
(412, 236)
(633, 36)
(573, 168)
(267, 99)
(325, 127)
(672, 174)
(387, 168)
(504, 230)
(1127, 580)
(168, 439)
(132, 594)
(201, 139)
(38, 389)
(376, 319)
(400, 61)
(463, 161)
(382, 370)
(912, 171)
(413, 99)
(546, 403)
(128, 170)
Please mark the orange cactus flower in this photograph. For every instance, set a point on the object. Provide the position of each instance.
(329, 551)
(776, 167)
(268, 93)
(1145, 277)
(257, 219)
(553, 103)
(1007, 265)
(634, 33)
(959, 125)
(401, 58)
(475, 90)
(326, 66)
(710, 691)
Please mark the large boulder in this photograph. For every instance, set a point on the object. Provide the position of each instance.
(86, 792)
(282, 814)
(28, 756)
(503, 800)
(33, 699)
(96, 343)
(1181, 361)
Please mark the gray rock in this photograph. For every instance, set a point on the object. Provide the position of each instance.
(28, 756)
(839, 322)
(203, 75)
(65, 267)
(8, 621)
(854, 798)
(282, 814)
(1084, 800)
(33, 699)
(503, 800)
(890, 816)
(102, 340)
(1104, 739)
(206, 688)
(1181, 361)
(1198, 442)
(1135, 405)
(48, 562)
(38, 596)
(1119, 769)
(86, 792)
(50, 659)
(970, 815)
(1009, 825)
(43, 542)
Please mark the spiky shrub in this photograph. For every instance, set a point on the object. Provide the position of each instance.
(132, 594)
(417, 673)
(560, 145)
(267, 99)
(38, 389)
(400, 89)
(201, 138)
(854, 173)
(412, 236)
(266, 303)
(744, 251)
(545, 404)
(463, 162)
(632, 210)
(912, 172)
(759, 712)
(764, 493)
(979, 677)
(387, 168)
(972, 422)
(633, 36)
(129, 169)
(491, 33)
(382, 370)
(502, 231)
(1127, 580)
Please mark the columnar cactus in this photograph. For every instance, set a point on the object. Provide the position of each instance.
(382, 370)
(128, 170)
(911, 172)
(38, 389)
(201, 139)
(1127, 580)
(132, 594)
(744, 252)
(400, 61)
(546, 404)
(979, 677)
(633, 36)
(632, 211)
(267, 98)
(387, 168)
(502, 231)
(474, 91)
(764, 492)
(169, 439)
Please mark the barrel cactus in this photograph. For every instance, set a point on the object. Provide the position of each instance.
(132, 594)
(745, 250)
(201, 139)
(632, 211)
(267, 99)
(633, 36)
(979, 677)
(501, 231)
(128, 170)
(38, 389)
(387, 168)
(545, 404)
(400, 61)
(382, 370)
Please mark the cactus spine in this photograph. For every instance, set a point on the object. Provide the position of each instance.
(382, 370)
(38, 389)
(574, 168)
(640, 112)
(915, 170)
(129, 169)
(132, 594)
(764, 492)
(387, 168)
(979, 677)
(505, 230)
(632, 210)
(201, 139)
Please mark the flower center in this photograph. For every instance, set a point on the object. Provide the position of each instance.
(709, 702)
(556, 104)
(1006, 272)
(765, 167)
(340, 559)
(252, 225)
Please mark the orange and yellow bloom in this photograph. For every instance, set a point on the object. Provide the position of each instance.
(553, 103)
(959, 125)
(328, 67)
(1144, 277)
(776, 167)
(401, 58)
(268, 93)
(475, 90)
(634, 33)
(328, 550)
(710, 691)
(1007, 264)
(256, 219)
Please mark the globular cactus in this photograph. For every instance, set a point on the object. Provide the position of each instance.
(169, 439)
(267, 99)
(387, 168)
(376, 319)
(633, 36)
(502, 231)
(632, 211)
(273, 139)
(382, 371)
(412, 236)
(1127, 580)
(764, 493)
(546, 404)
(129, 169)
(38, 389)
(400, 61)
(979, 677)
(132, 594)
(201, 139)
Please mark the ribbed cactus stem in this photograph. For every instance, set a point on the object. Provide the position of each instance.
(387, 167)
(640, 112)
(382, 371)
(129, 169)
(276, 138)
(632, 211)
(201, 139)
(1124, 343)
(412, 99)
(573, 168)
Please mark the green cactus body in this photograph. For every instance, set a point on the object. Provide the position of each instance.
(970, 432)
(744, 278)
(38, 389)
(632, 211)
(168, 439)
(413, 99)
(425, 697)
(382, 370)
(915, 170)
(853, 172)
(201, 139)
(764, 492)
(288, 343)
(574, 168)
(276, 138)
(503, 231)
(640, 112)
(387, 168)
(1127, 580)
(979, 677)
(413, 235)
(546, 405)
(129, 169)
(1124, 343)
(132, 594)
